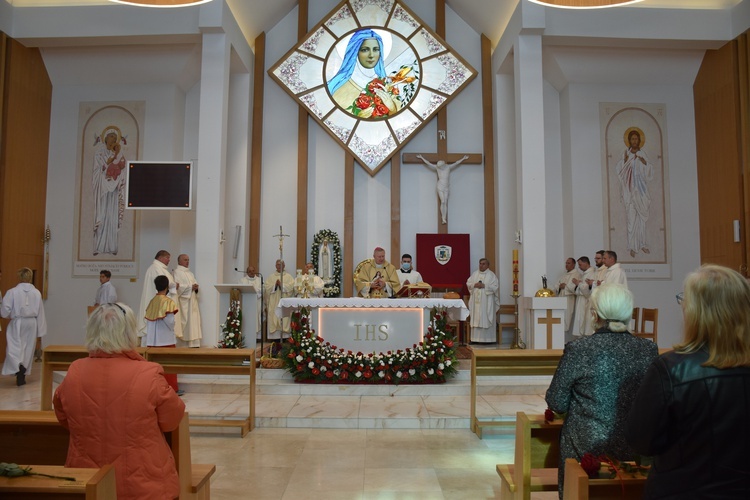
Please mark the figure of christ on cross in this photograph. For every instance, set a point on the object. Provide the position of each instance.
(443, 170)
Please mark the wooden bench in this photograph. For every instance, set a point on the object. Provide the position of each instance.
(496, 362)
(91, 484)
(578, 486)
(37, 437)
(173, 360)
(536, 458)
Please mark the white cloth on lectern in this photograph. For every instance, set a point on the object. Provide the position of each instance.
(255, 281)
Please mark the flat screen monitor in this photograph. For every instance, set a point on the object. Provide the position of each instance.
(159, 185)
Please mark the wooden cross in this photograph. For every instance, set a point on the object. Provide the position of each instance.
(549, 321)
(442, 154)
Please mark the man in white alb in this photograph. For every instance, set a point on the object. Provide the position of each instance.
(566, 288)
(310, 280)
(601, 271)
(582, 320)
(189, 315)
(275, 288)
(615, 273)
(407, 275)
(157, 268)
(484, 303)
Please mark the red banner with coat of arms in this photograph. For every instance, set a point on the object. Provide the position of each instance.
(443, 260)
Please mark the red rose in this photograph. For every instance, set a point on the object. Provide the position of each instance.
(448, 343)
(363, 101)
(549, 415)
(590, 464)
(377, 83)
(290, 355)
(300, 368)
(344, 375)
(368, 374)
(295, 326)
(315, 371)
(329, 374)
(380, 110)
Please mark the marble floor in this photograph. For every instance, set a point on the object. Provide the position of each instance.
(306, 446)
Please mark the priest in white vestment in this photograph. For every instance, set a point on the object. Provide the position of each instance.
(23, 305)
(407, 275)
(615, 272)
(377, 278)
(308, 280)
(251, 277)
(157, 268)
(274, 290)
(106, 293)
(484, 302)
(189, 315)
(582, 320)
(566, 288)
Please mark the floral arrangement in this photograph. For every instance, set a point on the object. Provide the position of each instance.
(310, 358)
(333, 287)
(370, 102)
(592, 465)
(231, 329)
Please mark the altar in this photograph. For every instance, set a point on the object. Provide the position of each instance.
(372, 325)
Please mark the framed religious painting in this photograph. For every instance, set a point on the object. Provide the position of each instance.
(109, 136)
(635, 175)
(372, 74)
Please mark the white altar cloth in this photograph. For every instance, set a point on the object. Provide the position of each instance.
(456, 308)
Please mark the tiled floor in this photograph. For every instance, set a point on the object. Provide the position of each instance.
(295, 454)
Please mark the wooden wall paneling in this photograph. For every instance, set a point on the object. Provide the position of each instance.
(743, 61)
(24, 152)
(256, 154)
(488, 133)
(720, 186)
(302, 156)
(348, 251)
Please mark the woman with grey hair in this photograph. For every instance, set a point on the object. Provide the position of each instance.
(597, 380)
(23, 305)
(117, 406)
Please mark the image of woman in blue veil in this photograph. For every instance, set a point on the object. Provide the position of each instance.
(363, 63)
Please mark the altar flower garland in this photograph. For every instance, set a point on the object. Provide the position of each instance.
(333, 286)
(231, 329)
(310, 358)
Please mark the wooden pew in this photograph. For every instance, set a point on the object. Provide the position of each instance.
(536, 457)
(578, 486)
(90, 484)
(495, 362)
(173, 360)
(37, 437)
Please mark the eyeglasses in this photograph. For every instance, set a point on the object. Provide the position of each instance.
(118, 306)
(680, 298)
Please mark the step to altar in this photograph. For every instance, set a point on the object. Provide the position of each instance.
(281, 402)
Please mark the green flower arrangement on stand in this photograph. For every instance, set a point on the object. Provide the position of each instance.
(231, 329)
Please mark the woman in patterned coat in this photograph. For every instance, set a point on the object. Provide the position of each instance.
(597, 380)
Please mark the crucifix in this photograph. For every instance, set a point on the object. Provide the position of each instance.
(549, 321)
(442, 162)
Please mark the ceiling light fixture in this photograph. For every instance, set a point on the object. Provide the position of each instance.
(161, 3)
(584, 4)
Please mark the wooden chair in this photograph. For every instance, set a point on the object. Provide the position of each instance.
(634, 326)
(510, 323)
(578, 486)
(649, 316)
(535, 462)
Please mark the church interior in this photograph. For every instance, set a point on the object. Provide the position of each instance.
(537, 121)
